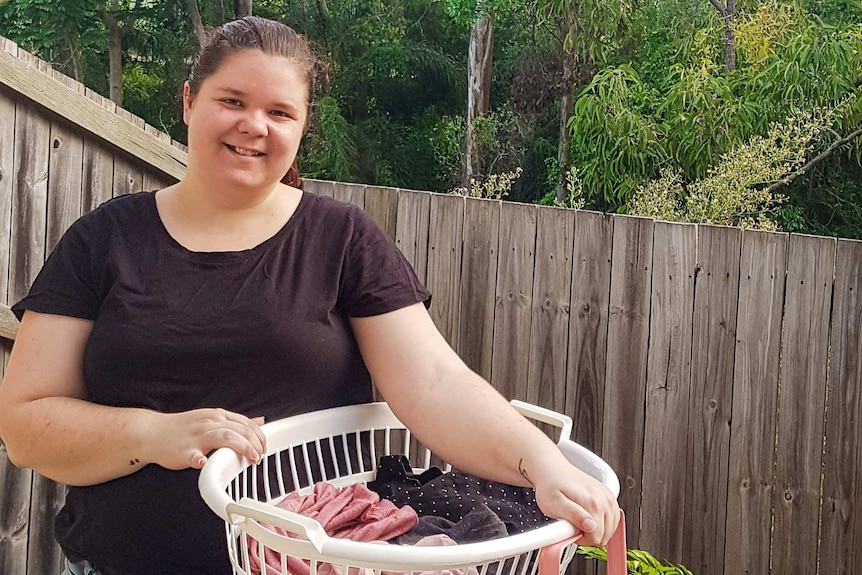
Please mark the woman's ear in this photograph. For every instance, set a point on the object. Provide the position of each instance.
(187, 102)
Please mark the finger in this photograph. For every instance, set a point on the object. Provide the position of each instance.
(197, 460)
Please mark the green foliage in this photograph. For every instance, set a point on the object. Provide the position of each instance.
(616, 140)
(638, 562)
(329, 150)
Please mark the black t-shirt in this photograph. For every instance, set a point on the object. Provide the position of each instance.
(262, 331)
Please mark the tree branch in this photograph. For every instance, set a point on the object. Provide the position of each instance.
(815, 160)
(722, 9)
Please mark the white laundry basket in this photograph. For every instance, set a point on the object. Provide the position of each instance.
(342, 446)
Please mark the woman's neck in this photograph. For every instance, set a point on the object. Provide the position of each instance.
(212, 220)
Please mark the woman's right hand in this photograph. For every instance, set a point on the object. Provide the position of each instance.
(183, 440)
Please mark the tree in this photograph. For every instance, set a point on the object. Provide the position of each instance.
(588, 30)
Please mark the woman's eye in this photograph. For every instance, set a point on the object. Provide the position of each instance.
(280, 114)
(231, 102)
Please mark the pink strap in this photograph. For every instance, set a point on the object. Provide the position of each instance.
(550, 556)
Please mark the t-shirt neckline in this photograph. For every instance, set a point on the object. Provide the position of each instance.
(259, 248)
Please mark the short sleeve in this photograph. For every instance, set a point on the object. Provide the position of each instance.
(377, 278)
(68, 284)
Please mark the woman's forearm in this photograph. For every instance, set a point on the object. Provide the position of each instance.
(77, 442)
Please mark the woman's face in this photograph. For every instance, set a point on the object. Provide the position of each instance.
(246, 121)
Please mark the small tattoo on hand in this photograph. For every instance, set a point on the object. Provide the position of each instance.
(524, 471)
(134, 461)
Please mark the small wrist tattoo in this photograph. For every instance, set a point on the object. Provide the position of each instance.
(524, 471)
(134, 461)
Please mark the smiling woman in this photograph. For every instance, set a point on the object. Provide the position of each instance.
(170, 323)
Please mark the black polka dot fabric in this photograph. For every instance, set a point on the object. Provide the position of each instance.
(454, 494)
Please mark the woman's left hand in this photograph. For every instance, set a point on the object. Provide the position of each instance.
(566, 492)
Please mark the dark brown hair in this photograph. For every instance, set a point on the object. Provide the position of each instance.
(268, 36)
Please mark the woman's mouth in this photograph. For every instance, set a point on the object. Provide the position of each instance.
(244, 151)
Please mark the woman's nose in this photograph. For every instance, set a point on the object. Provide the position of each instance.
(253, 124)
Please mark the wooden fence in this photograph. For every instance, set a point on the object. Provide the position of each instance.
(716, 369)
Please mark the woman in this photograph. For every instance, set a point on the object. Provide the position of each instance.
(168, 324)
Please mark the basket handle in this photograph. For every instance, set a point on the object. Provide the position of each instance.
(530, 411)
(551, 555)
(306, 527)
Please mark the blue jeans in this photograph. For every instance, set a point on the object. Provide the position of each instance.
(80, 568)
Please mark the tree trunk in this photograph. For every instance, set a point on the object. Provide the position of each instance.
(242, 8)
(479, 65)
(727, 12)
(71, 65)
(566, 106)
(115, 57)
(197, 23)
(729, 37)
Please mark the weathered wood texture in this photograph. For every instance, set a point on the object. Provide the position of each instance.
(716, 369)
(713, 344)
(665, 465)
(841, 545)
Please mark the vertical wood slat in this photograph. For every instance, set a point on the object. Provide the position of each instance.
(588, 327)
(128, 176)
(350, 193)
(510, 363)
(382, 205)
(478, 284)
(841, 520)
(549, 324)
(713, 345)
(755, 396)
(319, 187)
(802, 400)
(411, 232)
(625, 372)
(668, 390)
(444, 263)
(20, 518)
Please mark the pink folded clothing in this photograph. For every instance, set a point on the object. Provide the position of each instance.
(354, 512)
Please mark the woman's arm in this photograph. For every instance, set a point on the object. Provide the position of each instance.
(461, 417)
(47, 424)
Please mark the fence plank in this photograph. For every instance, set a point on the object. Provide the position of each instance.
(713, 345)
(350, 193)
(510, 363)
(128, 176)
(625, 380)
(444, 263)
(668, 390)
(66, 159)
(382, 205)
(841, 539)
(479, 283)
(801, 401)
(549, 325)
(20, 522)
(411, 231)
(319, 187)
(7, 163)
(755, 395)
(14, 483)
(98, 175)
(588, 326)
